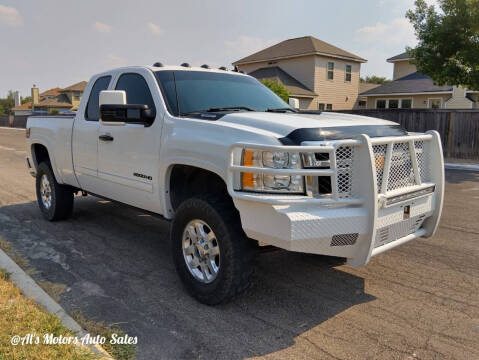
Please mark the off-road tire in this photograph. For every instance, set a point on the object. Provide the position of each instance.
(237, 252)
(61, 206)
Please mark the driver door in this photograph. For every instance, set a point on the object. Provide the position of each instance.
(128, 155)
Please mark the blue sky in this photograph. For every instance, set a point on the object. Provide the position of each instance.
(57, 43)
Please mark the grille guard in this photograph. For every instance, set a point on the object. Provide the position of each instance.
(367, 193)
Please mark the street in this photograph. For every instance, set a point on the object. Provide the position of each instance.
(417, 301)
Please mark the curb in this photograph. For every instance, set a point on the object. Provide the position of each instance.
(466, 167)
(32, 290)
(11, 128)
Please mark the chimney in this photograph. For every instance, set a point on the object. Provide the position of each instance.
(17, 99)
(35, 97)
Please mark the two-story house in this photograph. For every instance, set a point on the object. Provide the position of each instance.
(53, 100)
(321, 76)
(411, 89)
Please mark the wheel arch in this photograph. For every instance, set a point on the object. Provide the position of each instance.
(40, 153)
(184, 180)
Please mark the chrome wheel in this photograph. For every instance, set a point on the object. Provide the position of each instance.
(46, 192)
(201, 251)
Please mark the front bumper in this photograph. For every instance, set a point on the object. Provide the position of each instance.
(374, 217)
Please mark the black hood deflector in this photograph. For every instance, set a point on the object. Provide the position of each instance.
(297, 136)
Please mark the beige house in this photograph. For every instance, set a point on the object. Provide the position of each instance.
(411, 89)
(321, 76)
(53, 100)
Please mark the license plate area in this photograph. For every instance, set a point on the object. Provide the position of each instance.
(401, 220)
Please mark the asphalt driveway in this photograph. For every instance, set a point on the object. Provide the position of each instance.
(420, 300)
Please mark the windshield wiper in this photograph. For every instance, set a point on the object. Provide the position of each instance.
(281, 110)
(218, 109)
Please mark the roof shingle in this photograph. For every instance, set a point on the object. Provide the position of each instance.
(306, 45)
(412, 83)
(76, 87)
(58, 101)
(278, 74)
(403, 56)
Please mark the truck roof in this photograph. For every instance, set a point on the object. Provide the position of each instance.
(177, 68)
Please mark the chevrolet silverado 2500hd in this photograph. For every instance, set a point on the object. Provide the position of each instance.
(231, 164)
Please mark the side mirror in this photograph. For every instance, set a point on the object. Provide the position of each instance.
(115, 111)
(112, 114)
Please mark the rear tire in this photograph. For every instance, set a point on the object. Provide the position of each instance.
(55, 200)
(225, 260)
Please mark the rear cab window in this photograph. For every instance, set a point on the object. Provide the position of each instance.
(92, 112)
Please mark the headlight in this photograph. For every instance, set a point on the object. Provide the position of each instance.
(264, 182)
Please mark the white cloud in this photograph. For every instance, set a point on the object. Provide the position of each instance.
(154, 29)
(101, 27)
(114, 61)
(10, 16)
(246, 45)
(399, 31)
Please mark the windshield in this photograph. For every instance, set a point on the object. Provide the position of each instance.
(191, 91)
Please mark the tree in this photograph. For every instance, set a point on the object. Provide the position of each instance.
(7, 103)
(26, 99)
(278, 88)
(448, 45)
(373, 79)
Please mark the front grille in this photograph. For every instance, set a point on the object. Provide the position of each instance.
(344, 168)
(401, 171)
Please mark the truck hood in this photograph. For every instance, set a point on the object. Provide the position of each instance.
(294, 128)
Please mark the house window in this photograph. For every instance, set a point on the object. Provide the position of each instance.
(393, 104)
(348, 73)
(434, 103)
(321, 107)
(76, 96)
(329, 106)
(406, 103)
(380, 104)
(330, 70)
(362, 103)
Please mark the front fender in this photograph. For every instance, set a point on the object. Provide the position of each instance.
(165, 174)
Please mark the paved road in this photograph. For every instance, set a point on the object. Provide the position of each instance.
(418, 301)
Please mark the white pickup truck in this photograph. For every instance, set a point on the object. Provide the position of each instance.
(233, 166)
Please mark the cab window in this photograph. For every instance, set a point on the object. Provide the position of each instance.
(136, 89)
(92, 112)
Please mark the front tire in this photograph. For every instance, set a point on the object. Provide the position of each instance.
(55, 200)
(213, 256)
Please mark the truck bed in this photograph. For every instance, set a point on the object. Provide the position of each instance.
(55, 133)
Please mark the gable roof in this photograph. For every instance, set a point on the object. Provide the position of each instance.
(410, 84)
(306, 45)
(54, 91)
(400, 57)
(365, 86)
(294, 86)
(57, 101)
(26, 106)
(76, 87)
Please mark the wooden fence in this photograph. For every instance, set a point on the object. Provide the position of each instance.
(459, 129)
(18, 121)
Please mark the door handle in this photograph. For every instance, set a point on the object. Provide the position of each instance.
(106, 138)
